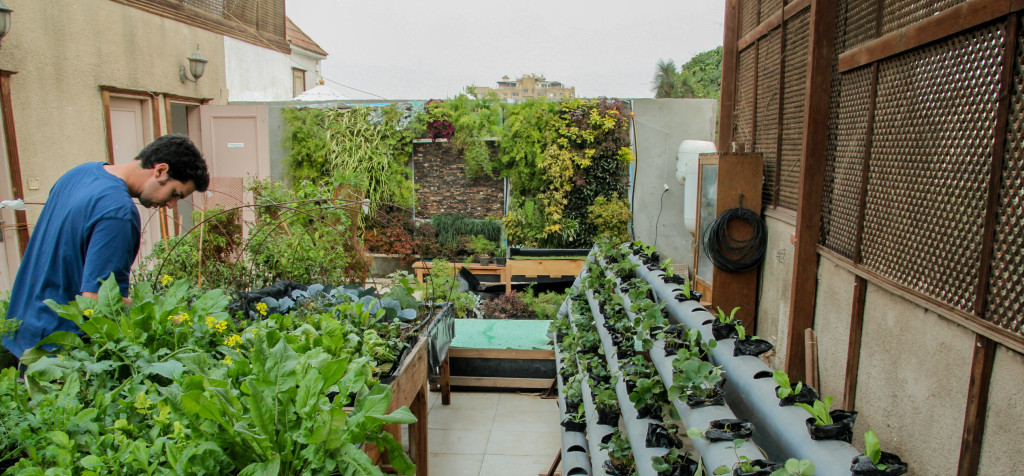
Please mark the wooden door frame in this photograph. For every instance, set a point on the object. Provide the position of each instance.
(13, 161)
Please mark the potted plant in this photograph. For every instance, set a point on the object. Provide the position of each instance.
(675, 463)
(697, 380)
(752, 346)
(501, 256)
(662, 436)
(875, 462)
(829, 425)
(607, 403)
(620, 454)
(573, 394)
(482, 248)
(790, 394)
(724, 326)
(728, 429)
(744, 465)
(575, 421)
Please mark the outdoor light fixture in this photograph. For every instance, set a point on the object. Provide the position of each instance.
(196, 66)
(5, 19)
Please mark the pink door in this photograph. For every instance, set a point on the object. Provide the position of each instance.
(237, 150)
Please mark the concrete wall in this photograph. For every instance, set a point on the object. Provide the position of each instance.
(776, 283)
(660, 126)
(255, 73)
(64, 50)
(1001, 450)
(913, 377)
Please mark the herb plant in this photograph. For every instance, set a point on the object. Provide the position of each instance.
(820, 410)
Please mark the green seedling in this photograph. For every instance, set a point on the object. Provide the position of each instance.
(785, 388)
(873, 449)
(820, 411)
(727, 319)
(795, 467)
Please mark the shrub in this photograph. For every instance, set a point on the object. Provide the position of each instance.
(610, 217)
(507, 306)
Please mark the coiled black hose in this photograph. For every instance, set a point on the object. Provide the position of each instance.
(729, 254)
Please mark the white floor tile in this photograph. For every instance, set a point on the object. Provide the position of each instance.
(460, 419)
(464, 442)
(523, 443)
(454, 464)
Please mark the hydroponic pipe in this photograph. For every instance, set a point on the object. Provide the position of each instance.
(782, 431)
(714, 454)
(636, 427)
(575, 457)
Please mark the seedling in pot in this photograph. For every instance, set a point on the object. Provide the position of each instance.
(620, 453)
(675, 459)
(727, 319)
(693, 378)
(874, 461)
(785, 389)
(743, 463)
(667, 267)
(820, 411)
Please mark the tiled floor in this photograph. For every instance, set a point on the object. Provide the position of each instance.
(492, 434)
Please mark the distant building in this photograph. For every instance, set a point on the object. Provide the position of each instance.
(529, 86)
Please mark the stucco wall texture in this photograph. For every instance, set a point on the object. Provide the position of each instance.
(832, 326)
(776, 283)
(1001, 452)
(912, 382)
(64, 50)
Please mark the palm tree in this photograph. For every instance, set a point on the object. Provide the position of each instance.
(666, 79)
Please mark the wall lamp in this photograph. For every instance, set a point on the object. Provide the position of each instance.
(5, 19)
(196, 66)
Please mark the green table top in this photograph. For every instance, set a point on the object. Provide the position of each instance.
(501, 334)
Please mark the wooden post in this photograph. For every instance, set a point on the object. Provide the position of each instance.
(812, 172)
(446, 380)
(977, 406)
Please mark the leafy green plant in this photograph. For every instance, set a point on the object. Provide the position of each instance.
(620, 452)
(796, 467)
(873, 449)
(670, 460)
(8, 326)
(507, 306)
(480, 246)
(727, 319)
(693, 377)
(785, 388)
(820, 410)
(610, 217)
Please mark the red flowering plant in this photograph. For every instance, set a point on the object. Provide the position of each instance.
(438, 125)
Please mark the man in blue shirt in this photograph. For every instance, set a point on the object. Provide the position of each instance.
(90, 227)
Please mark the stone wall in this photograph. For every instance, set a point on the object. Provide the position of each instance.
(442, 187)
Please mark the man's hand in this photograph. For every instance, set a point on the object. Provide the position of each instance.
(96, 297)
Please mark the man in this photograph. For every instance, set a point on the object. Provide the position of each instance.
(90, 227)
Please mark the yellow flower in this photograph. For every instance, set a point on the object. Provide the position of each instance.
(88, 313)
(227, 361)
(233, 340)
(261, 308)
(180, 318)
(165, 280)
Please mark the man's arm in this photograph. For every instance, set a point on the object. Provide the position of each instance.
(96, 297)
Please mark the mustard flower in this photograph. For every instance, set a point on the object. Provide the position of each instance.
(88, 312)
(165, 280)
(227, 361)
(213, 323)
(180, 318)
(261, 308)
(233, 340)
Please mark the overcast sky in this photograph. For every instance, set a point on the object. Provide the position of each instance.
(419, 49)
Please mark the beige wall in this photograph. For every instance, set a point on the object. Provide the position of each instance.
(913, 378)
(832, 327)
(776, 282)
(1001, 452)
(64, 50)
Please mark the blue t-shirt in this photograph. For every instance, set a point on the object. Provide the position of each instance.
(89, 228)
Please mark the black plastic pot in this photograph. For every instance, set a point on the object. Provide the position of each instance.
(571, 407)
(686, 467)
(649, 411)
(766, 468)
(721, 330)
(674, 279)
(659, 437)
(728, 430)
(607, 416)
(862, 466)
(807, 396)
(754, 347)
(577, 426)
(615, 470)
(841, 428)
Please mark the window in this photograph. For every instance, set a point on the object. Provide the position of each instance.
(298, 81)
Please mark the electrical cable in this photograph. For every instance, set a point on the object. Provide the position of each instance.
(661, 206)
(734, 255)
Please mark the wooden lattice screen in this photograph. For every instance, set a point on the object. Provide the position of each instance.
(770, 85)
(919, 143)
(260, 22)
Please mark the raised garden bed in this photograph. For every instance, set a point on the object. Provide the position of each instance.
(500, 353)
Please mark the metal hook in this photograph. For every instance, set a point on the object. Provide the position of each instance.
(741, 200)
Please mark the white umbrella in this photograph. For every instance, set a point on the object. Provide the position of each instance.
(321, 93)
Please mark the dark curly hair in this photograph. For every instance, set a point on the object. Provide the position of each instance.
(185, 162)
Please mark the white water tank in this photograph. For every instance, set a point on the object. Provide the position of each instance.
(686, 174)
